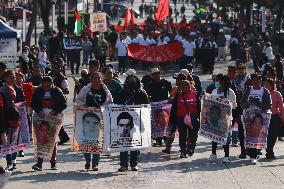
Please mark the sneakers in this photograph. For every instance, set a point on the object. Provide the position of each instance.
(123, 169)
(9, 168)
(242, 156)
(14, 166)
(53, 166)
(95, 168)
(21, 154)
(226, 160)
(183, 155)
(166, 151)
(87, 166)
(253, 161)
(190, 153)
(134, 168)
(212, 157)
(36, 167)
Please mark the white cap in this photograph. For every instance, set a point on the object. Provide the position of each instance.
(130, 72)
(184, 71)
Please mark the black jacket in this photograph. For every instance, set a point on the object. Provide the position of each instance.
(57, 97)
(128, 97)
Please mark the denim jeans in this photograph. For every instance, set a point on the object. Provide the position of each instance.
(94, 157)
(85, 57)
(11, 158)
(235, 137)
(124, 158)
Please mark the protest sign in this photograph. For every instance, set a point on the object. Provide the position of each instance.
(18, 138)
(88, 130)
(72, 42)
(98, 22)
(160, 118)
(215, 118)
(256, 123)
(127, 127)
(164, 53)
(45, 131)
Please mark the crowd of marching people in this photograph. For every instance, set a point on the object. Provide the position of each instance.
(41, 83)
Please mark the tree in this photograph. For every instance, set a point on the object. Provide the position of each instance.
(32, 22)
(45, 7)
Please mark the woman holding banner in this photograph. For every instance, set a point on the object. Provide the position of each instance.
(277, 117)
(9, 116)
(47, 100)
(257, 98)
(95, 94)
(185, 105)
(223, 90)
(132, 94)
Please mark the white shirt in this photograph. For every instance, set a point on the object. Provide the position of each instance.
(231, 96)
(160, 43)
(256, 94)
(42, 58)
(178, 38)
(188, 47)
(143, 42)
(121, 47)
(268, 52)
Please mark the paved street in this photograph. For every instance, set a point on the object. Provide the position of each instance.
(156, 169)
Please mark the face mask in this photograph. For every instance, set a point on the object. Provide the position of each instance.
(217, 85)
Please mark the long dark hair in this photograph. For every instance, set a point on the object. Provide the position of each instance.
(226, 83)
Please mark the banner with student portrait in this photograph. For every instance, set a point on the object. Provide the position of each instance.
(256, 123)
(45, 132)
(160, 118)
(16, 138)
(127, 127)
(88, 130)
(98, 22)
(215, 118)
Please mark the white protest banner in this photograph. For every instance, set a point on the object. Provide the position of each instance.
(88, 130)
(98, 22)
(127, 127)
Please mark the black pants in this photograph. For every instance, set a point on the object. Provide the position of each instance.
(77, 62)
(273, 131)
(63, 136)
(252, 152)
(102, 60)
(188, 136)
(241, 134)
(226, 147)
(122, 63)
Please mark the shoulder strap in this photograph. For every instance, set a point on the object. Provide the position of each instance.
(185, 103)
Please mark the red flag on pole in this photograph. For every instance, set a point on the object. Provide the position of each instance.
(132, 18)
(127, 18)
(163, 10)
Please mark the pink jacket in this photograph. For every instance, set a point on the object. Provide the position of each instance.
(277, 103)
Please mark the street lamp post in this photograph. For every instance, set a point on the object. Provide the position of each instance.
(66, 13)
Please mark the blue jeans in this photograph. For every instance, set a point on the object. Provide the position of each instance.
(124, 158)
(235, 137)
(85, 57)
(10, 158)
(95, 158)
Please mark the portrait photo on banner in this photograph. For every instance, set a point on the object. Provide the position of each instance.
(126, 128)
(256, 123)
(160, 118)
(216, 117)
(45, 131)
(88, 130)
(17, 137)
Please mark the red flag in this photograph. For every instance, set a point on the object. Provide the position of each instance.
(163, 10)
(76, 15)
(127, 18)
(132, 18)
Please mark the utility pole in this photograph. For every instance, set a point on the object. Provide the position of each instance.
(53, 14)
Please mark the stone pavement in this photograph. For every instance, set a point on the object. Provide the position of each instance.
(157, 170)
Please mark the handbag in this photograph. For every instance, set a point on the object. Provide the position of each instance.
(187, 117)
